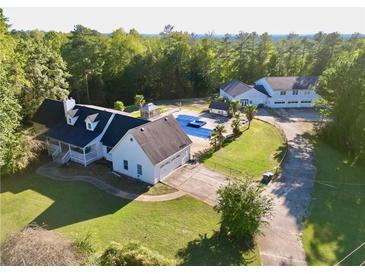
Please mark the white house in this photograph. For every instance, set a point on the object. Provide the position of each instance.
(289, 92)
(138, 148)
(245, 94)
(274, 92)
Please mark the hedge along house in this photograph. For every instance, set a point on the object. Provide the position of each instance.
(84, 134)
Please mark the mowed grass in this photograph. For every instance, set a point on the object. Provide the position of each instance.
(257, 150)
(336, 225)
(181, 229)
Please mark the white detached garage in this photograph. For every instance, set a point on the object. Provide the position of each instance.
(152, 151)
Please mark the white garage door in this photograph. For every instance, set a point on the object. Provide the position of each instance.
(169, 166)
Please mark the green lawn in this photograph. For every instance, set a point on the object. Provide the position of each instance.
(181, 229)
(257, 150)
(336, 225)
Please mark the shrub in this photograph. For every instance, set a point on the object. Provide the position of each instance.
(84, 244)
(131, 254)
(244, 209)
(35, 246)
(119, 105)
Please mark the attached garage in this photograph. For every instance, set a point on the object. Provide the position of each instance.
(173, 163)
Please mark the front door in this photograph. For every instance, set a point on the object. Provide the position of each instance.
(244, 102)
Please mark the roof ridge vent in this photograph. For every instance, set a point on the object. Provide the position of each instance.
(142, 128)
(166, 118)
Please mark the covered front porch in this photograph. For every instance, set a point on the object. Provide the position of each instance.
(62, 152)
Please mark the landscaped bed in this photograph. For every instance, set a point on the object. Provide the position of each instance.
(257, 150)
(181, 229)
(336, 225)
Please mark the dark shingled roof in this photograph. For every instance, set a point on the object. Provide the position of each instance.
(118, 127)
(292, 82)
(262, 89)
(77, 134)
(161, 138)
(235, 87)
(219, 105)
(49, 113)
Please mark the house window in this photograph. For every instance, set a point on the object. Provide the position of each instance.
(306, 102)
(139, 169)
(69, 121)
(125, 164)
(295, 92)
(307, 92)
(282, 92)
(279, 102)
(89, 125)
(244, 102)
(293, 102)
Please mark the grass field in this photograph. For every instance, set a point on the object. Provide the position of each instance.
(181, 229)
(257, 150)
(336, 225)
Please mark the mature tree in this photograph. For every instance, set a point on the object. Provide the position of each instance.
(343, 87)
(119, 105)
(85, 56)
(204, 73)
(16, 146)
(244, 209)
(250, 112)
(46, 74)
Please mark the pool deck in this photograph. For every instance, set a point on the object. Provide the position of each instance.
(200, 144)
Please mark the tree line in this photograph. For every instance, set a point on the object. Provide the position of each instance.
(101, 68)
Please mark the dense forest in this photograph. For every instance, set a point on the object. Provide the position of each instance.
(101, 68)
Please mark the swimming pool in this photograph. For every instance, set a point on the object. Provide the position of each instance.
(201, 132)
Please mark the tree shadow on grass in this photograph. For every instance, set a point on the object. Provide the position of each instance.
(73, 202)
(215, 250)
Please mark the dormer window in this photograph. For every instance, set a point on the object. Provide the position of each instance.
(71, 117)
(91, 122)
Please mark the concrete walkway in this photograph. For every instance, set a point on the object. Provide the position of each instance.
(281, 243)
(198, 181)
(50, 171)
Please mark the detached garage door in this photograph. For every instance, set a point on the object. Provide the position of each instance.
(169, 166)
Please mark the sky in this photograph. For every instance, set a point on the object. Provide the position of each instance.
(197, 20)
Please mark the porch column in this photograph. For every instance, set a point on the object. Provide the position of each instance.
(83, 150)
(49, 152)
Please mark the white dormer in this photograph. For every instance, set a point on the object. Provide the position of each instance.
(91, 122)
(71, 117)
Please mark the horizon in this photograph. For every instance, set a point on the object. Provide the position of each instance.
(151, 21)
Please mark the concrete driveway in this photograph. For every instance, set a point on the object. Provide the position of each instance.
(281, 243)
(198, 181)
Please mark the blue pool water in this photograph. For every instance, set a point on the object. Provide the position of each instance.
(201, 132)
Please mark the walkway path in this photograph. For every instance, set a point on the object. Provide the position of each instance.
(281, 243)
(50, 171)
